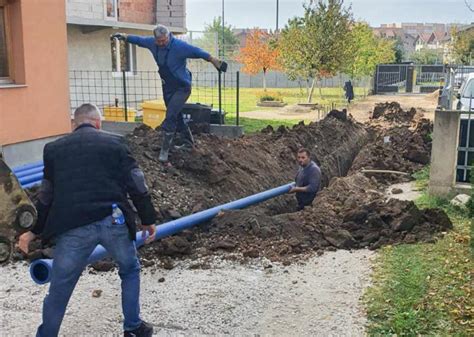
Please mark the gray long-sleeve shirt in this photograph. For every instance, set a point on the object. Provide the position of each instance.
(310, 177)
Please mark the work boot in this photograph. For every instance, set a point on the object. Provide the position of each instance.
(188, 139)
(144, 330)
(165, 146)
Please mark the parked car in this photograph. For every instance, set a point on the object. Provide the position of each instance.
(465, 95)
(461, 75)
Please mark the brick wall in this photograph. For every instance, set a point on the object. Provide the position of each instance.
(137, 11)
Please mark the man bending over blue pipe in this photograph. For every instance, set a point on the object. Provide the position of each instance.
(82, 203)
(308, 179)
(170, 55)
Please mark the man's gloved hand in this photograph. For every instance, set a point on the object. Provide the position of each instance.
(220, 65)
(119, 36)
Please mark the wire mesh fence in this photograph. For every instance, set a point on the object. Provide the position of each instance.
(129, 90)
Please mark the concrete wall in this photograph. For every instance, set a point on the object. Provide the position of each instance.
(91, 77)
(25, 152)
(87, 9)
(444, 153)
(38, 108)
(92, 51)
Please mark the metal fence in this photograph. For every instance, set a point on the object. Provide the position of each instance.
(129, 90)
(457, 94)
(408, 78)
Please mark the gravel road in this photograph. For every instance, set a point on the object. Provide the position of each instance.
(317, 297)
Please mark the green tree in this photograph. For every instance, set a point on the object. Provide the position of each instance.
(212, 39)
(398, 50)
(427, 56)
(315, 46)
(366, 51)
(463, 46)
(292, 56)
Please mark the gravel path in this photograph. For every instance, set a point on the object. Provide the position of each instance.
(317, 297)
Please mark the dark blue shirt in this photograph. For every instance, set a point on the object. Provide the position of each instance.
(179, 52)
(309, 176)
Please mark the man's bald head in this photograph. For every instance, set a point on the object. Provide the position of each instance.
(88, 114)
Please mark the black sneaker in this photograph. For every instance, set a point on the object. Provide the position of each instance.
(144, 330)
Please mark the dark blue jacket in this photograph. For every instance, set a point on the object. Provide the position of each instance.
(179, 51)
(85, 173)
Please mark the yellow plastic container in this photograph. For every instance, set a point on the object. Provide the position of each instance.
(117, 114)
(154, 113)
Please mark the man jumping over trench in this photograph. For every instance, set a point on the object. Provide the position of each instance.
(307, 181)
(170, 55)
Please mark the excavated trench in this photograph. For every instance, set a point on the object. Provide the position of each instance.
(350, 212)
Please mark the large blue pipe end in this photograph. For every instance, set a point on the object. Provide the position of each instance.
(40, 270)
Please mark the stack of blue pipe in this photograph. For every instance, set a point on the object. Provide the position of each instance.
(29, 175)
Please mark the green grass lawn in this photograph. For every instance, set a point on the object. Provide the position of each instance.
(425, 289)
(252, 125)
(249, 97)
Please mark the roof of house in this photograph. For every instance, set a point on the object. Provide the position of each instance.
(426, 37)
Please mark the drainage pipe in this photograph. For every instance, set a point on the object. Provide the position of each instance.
(28, 172)
(40, 270)
(27, 167)
(31, 178)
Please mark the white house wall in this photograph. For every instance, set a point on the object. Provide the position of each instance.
(91, 51)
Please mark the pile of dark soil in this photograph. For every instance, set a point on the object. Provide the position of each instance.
(399, 148)
(350, 212)
(393, 112)
(220, 170)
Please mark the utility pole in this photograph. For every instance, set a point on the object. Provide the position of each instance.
(277, 14)
(223, 31)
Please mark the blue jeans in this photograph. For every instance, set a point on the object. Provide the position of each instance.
(175, 98)
(72, 250)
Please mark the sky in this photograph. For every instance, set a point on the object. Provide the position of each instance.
(262, 13)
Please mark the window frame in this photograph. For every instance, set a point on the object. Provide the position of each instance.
(7, 79)
(116, 12)
(131, 59)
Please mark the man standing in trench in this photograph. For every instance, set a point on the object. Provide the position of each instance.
(308, 179)
(82, 203)
(170, 55)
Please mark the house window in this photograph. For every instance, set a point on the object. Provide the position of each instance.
(4, 53)
(111, 10)
(124, 56)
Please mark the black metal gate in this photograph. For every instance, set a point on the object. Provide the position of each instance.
(466, 148)
(408, 78)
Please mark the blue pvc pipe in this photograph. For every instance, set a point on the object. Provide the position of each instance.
(32, 184)
(29, 171)
(30, 178)
(27, 167)
(40, 270)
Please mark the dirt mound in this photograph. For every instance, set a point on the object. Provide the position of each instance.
(399, 148)
(393, 112)
(338, 219)
(221, 170)
(350, 212)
